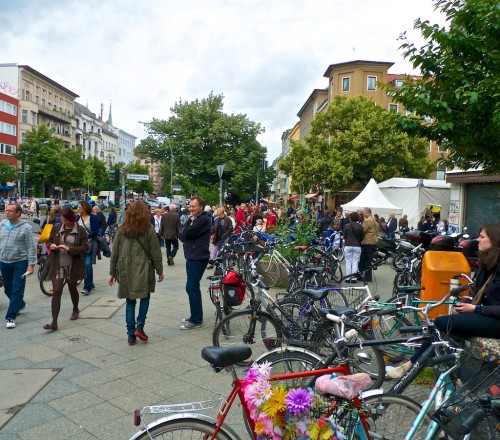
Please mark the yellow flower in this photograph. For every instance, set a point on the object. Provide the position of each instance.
(276, 402)
(260, 428)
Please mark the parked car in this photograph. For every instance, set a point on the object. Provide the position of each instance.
(43, 205)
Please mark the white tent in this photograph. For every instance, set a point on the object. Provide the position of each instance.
(413, 195)
(372, 197)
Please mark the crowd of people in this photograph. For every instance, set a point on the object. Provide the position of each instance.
(136, 262)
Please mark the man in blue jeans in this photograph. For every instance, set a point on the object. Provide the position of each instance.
(195, 236)
(17, 259)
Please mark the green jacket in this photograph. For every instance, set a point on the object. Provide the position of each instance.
(131, 265)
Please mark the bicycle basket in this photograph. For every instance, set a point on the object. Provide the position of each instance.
(454, 412)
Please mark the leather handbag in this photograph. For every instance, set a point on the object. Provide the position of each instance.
(44, 236)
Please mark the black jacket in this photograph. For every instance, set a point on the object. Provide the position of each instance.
(491, 297)
(195, 235)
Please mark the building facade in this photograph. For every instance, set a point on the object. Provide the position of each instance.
(88, 132)
(9, 106)
(126, 146)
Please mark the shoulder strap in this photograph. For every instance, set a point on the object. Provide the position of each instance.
(145, 251)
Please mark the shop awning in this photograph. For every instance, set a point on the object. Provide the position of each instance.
(293, 199)
(311, 196)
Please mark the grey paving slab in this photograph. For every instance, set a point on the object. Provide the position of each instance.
(62, 427)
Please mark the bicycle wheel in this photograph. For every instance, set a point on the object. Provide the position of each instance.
(270, 271)
(340, 254)
(45, 285)
(335, 270)
(183, 428)
(41, 265)
(391, 417)
(367, 359)
(259, 330)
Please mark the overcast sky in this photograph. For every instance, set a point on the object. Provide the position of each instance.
(265, 56)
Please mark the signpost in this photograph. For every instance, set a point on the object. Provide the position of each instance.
(137, 177)
(220, 170)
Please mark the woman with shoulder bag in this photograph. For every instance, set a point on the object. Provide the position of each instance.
(353, 234)
(135, 258)
(89, 221)
(67, 243)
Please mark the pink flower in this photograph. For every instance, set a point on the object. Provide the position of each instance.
(298, 400)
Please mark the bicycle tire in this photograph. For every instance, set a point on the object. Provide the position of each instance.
(258, 329)
(335, 270)
(46, 285)
(41, 265)
(340, 254)
(184, 427)
(392, 415)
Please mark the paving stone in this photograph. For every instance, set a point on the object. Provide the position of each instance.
(56, 389)
(62, 427)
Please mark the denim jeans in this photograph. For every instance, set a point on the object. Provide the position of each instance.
(89, 271)
(130, 313)
(172, 246)
(14, 286)
(194, 272)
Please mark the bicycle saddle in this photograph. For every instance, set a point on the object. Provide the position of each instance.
(338, 311)
(222, 357)
(316, 294)
(409, 289)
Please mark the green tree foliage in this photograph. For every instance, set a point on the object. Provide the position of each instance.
(353, 141)
(41, 155)
(201, 136)
(140, 186)
(459, 89)
(7, 172)
(72, 169)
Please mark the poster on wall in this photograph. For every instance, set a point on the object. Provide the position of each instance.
(9, 80)
(453, 218)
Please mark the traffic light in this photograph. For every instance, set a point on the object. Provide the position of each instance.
(112, 176)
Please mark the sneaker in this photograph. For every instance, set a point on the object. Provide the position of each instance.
(171, 261)
(185, 320)
(85, 292)
(140, 333)
(10, 323)
(395, 372)
(22, 309)
(190, 326)
(131, 340)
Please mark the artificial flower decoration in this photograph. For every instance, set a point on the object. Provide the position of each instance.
(290, 414)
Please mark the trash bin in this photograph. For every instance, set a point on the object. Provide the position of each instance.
(438, 268)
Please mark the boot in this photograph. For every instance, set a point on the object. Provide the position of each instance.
(140, 333)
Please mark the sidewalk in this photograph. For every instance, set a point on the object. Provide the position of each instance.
(84, 381)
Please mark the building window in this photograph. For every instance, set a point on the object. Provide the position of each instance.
(346, 83)
(442, 149)
(27, 95)
(393, 108)
(33, 118)
(9, 108)
(7, 128)
(23, 137)
(372, 82)
(24, 116)
(43, 102)
(430, 146)
(7, 149)
(441, 172)
(398, 83)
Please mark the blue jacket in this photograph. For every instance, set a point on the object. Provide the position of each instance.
(94, 226)
(195, 235)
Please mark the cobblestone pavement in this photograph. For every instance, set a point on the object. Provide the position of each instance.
(84, 381)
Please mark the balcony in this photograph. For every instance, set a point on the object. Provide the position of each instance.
(54, 114)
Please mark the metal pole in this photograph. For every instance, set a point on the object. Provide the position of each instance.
(220, 192)
(24, 176)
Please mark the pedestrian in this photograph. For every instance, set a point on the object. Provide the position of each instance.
(53, 217)
(272, 220)
(479, 316)
(68, 242)
(392, 226)
(155, 220)
(49, 207)
(221, 230)
(135, 258)
(101, 218)
(368, 244)
(111, 218)
(324, 223)
(89, 221)
(241, 218)
(403, 223)
(17, 259)
(169, 231)
(353, 234)
(33, 208)
(195, 236)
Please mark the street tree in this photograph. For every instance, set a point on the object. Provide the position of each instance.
(200, 136)
(95, 176)
(72, 169)
(351, 142)
(459, 90)
(7, 173)
(41, 155)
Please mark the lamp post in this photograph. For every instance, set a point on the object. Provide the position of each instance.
(171, 167)
(220, 170)
(24, 165)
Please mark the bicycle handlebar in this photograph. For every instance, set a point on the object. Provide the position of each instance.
(470, 422)
(442, 359)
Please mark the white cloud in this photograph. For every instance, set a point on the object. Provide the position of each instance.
(265, 56)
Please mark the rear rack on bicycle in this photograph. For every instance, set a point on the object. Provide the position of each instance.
(214, 403)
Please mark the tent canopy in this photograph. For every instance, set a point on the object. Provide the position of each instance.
(413, 195)
(372, 197)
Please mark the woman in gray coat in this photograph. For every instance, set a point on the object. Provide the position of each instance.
(135, 258)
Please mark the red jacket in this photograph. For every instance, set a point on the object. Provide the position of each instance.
(240, 218)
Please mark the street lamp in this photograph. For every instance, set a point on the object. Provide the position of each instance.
(171, 167)
(24, 164)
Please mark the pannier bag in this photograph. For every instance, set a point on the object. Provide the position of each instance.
(234, 287)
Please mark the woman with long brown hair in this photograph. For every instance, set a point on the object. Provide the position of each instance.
(68, 242)
(135, 258)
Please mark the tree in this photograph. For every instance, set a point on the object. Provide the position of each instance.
(41, 155)
(7, 173)
(95, 175)
(459, 89)
(201, 136)
(353, 141)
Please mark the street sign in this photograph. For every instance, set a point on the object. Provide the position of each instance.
(176, 188)
(220, 170)
(137, 177)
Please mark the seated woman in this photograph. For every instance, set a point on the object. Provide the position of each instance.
(481, 316)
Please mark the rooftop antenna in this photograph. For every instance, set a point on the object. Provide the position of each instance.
(353, 53)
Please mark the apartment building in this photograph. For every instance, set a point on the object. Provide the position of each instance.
(41, 100)
(109, 144)
(9, 105)
(126, 146)
(88, 132)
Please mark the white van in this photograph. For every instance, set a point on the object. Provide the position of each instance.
(164, 201)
